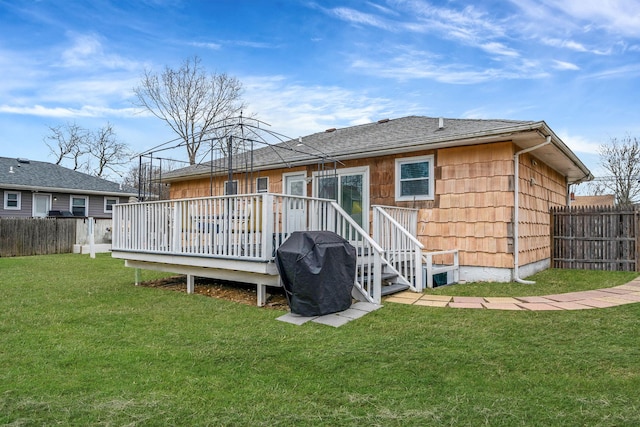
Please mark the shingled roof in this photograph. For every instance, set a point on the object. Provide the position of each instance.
(383, 137)
(34, 175)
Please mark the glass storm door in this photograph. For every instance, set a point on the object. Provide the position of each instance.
(41, 205)
(350, 189)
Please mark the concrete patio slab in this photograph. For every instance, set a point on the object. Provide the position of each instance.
(564, 297)
(570, 305)
(408, 295)
(619, 290)
(631, 297)
(435, 298)
(501, 300)
(476, 300)
(534, 299)
(598, 303)
(618, 300)
(538, 306)
(334, 320)
(431, 303)
(294, 319)
(366, 306)
(352, 313)
(501, 306)
(466, 305)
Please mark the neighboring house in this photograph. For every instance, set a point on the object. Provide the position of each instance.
(34, 189)
(481, 187)
(602, 200)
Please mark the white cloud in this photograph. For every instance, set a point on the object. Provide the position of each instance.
(294, 109)
(565, 66)
(206, 45)
(499, 49)
(631, 70)
(63, 112)
(615, 16)
(87, 51)
(356, 17)
(578, 143)
(407, 64)
(568, 44)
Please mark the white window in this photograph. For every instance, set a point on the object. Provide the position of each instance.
(108, 204)
(230, 187)
(13, 200)
(414, 178)
(79, 206)
(262, 184)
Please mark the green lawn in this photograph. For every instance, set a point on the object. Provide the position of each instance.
(80, 345)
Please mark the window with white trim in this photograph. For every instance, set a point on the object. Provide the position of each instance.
(262, 184)
(231, 187)
(108, 204)
(414, 178)
(79, 206)
(13, 200)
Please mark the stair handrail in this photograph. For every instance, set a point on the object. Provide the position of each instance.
(406, 261)
(373, 258)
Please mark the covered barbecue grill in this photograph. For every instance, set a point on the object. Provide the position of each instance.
(318, 270)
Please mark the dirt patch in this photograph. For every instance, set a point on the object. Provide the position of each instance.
(231, 291)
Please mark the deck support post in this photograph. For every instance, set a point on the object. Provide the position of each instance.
(191, 283)
(137, 275)
(262, 294)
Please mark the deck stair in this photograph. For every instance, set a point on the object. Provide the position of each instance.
(390, 283)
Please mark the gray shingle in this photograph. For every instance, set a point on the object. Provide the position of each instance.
(35, 174)
(341, 143)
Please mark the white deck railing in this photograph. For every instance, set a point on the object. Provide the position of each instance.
(395, 229)
(402, 249)
(242, 227)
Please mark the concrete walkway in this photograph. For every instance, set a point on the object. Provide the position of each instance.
(602, 298)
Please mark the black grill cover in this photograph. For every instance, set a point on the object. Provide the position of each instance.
(318, 269)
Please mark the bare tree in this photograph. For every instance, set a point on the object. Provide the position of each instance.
(67, 142)
(621, 159)
(84, 148)
(107, 151)
(192, 102)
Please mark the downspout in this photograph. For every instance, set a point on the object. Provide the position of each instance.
(516, 209)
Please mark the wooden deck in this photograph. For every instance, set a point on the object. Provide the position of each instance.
(232, 237)
(236, 238)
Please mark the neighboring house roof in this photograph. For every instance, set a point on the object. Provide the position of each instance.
(403, 135)
(603, 200)
(22, 174)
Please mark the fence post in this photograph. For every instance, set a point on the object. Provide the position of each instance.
(636, 218)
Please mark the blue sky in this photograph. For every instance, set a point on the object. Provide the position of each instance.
(307, 66)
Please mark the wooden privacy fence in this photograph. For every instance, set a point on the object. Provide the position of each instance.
(32, 236)
(595, 238)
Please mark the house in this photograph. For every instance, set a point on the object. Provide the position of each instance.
(37, 189)
(601, 200)
(477, 192)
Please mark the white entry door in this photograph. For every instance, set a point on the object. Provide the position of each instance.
(295, 184)
(41, 205)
